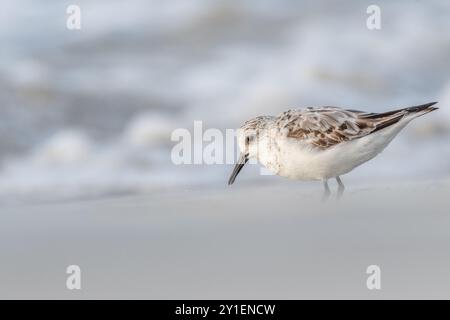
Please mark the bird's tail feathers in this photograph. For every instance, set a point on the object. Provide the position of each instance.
(387, 119)
(418, 111)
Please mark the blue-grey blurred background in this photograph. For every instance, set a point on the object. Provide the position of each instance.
(88, 113)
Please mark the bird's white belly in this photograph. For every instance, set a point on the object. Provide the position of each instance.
(296, 161)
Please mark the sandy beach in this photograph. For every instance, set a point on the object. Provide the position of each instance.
(254, 242)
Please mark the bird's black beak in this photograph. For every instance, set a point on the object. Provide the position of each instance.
(238, 167)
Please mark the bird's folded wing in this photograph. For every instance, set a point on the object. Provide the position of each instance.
(328, 126)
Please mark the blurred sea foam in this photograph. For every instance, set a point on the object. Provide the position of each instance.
(89, 113)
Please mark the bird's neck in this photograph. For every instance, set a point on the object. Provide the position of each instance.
(268, 151)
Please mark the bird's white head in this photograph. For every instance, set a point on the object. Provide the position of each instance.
(249, 141)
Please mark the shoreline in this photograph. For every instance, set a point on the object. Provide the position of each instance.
(253, 242)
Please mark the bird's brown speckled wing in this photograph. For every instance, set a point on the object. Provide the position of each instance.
(325, 127)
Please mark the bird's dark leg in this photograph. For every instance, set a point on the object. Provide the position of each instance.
(341, 187)
(326, 192)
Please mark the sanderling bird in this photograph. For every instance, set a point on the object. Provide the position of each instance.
(320, 143)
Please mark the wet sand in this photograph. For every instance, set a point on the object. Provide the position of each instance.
(253, 242)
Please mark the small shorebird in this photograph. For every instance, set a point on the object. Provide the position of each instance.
(320, 143)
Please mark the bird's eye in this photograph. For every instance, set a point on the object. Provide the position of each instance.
(249, 139)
